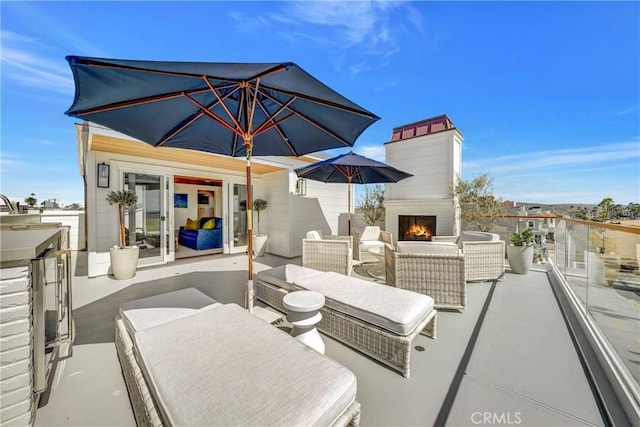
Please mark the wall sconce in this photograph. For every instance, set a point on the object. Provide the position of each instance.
(301, 187)
(103, 175)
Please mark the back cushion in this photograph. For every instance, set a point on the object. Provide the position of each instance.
(478, 236)
(447, 248)
(370, 232)
(314, 235)
(209, 225)
(191, 224)
(218, 222)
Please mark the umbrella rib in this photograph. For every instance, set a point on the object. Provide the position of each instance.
(308, 119)
(217, 95)
(176, 130)
(212, 115)
(323, 102)
(275, 126)
(140, 101)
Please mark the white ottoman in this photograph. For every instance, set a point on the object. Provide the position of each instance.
(304, 315)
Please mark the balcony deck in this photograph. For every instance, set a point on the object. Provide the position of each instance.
(508, 359)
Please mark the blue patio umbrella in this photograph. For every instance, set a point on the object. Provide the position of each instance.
(351, 168)
(234, 109)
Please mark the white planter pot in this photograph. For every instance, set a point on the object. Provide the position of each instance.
(124, 261)
(259, 245)
(520, 258)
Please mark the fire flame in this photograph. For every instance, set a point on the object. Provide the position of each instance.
(418, 230)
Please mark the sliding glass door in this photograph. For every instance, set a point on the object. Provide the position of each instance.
(238, 204)
(146, 222)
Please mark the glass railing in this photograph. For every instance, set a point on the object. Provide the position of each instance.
(599, 263)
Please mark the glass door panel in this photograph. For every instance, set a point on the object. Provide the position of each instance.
(145, 223)
(239, 218)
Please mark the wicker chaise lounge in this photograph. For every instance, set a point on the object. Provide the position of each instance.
(220, 365)
(377, 320)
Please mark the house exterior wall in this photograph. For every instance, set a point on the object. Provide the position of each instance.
(102, 218)
(289, 216)
(435, 160)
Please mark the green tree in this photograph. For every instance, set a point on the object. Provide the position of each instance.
(478, 206)
(605, 206)
(371, 203)
(31, 201)
(260, 205)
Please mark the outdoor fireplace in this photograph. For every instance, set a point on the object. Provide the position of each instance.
(416, 227)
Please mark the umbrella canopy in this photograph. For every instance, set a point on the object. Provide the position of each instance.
(234, 109)
(351, 168)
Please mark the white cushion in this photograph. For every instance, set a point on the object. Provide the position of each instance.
(151, 311)
(371, 243)
(226, 367)
(314, 235)
(446, 248)
(370, 232)
(285, 275)
(475, 236)
(394, 309)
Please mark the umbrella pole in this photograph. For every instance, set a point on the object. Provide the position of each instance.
(349, 210)
(250, 292)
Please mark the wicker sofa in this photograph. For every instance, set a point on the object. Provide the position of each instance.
(328, 253)
(484, 254)
(434, 269)
(377, 320)
(184, 364)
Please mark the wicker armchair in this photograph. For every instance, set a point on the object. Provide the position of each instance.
(328, 253)
(371, 237)
(484, 254)
(439, 274)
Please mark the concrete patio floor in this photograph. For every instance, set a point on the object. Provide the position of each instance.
(513, 363)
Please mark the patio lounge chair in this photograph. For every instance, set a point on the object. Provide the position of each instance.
(377, 320)
(328, 253)
(217, 364)
(436, 269)
(484, 254)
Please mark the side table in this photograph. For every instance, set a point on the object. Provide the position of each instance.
(304, 315)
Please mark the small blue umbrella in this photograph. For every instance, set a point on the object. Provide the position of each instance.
(234, 109)
(351, 168)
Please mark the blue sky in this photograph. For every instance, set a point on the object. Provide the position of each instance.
(546, 94)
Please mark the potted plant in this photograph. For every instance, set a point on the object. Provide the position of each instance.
(259, 240)
(520, 252)
(124, 259)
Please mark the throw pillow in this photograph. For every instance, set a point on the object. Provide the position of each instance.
(191, 225)
(209, 225)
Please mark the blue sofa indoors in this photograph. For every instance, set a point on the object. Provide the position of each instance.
(207, 235)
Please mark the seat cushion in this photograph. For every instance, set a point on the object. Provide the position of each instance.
(228, 367)
(396, 310)
(285, 275)
(151, 311)
(447, 248)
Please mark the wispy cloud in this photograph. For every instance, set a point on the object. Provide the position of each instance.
(565, 158)
(22, 64)
(366, 29)
(629, 110)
